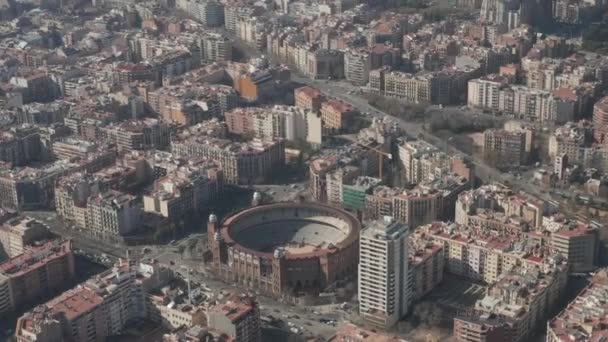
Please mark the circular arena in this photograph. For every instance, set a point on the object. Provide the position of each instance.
(286, 248)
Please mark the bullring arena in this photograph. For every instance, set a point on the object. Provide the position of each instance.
(285, 249)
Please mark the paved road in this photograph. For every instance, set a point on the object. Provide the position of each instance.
(484, 171)
(487, 173)
(81, 241)
(303, 317)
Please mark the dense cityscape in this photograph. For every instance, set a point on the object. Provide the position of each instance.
(303, 170)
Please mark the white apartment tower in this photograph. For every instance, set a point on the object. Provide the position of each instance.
(383, 272)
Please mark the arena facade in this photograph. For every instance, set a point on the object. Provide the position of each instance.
(285, 249)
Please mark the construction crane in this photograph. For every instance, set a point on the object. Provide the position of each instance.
(380, 159)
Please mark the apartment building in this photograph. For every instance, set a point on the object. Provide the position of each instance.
(494, 93)
(582, 318)
(484, 92)
(72, 194)
(242, 163)
(97, 309)
(336, 180)
(309, 98)
(112, 213)
(171, 314)
(504, 147)
(337, 115)
(476, 326)
(215, 47)
(578, 241)
(384, 294)
(325, 64)
(237, 316)
(477, 254)
(210, 13)
(70, 148)
(521, 311)
(37, 272)
(19, 233)
(188, 189)
(27, 188)
(357, 65)
(500, 198)
(423, 204)
(408, 87)
(234, 12)
(253, 31)
(188, 104)
(20, 145)
(36, 85)
(426, 264)
(571, 140)
(600, 119)
(320, 168)
(284, 122)
(136, 135)
(411, 154)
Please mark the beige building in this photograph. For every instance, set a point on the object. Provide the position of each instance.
(70, 148)
(411, 154)
(35, 273)
(504, 147)
(337, 115)
(426, 264)
(112, 213)
(384, 294)
(72, 193)
(423, 204)
(408, 87)
(171, 315)
(525, 297)
(242, 163)
(485, 92)
(578, 241)
(583, 317)
(309, 98)
(600, 119)
(475, 254)
(570, 139)
(101, 307)
(18, 233)
(237, 316)
(186, 190)
(142, 134)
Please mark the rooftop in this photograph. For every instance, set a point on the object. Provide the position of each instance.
(35, 258)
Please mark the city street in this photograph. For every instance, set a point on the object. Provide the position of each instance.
(306, 319)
